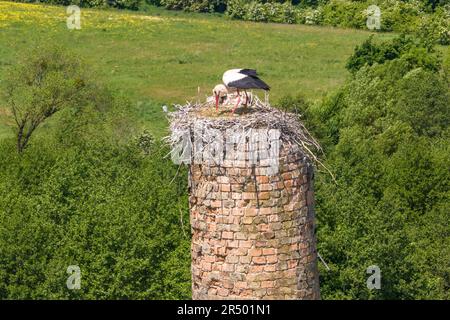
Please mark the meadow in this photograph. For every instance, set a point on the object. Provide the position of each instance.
(93, 189)
(160, 57)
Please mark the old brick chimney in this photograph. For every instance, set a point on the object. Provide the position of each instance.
(252, 223)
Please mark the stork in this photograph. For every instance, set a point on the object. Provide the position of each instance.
(243, 79)
(220, 93)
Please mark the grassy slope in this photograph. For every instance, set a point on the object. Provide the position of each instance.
(163, 57)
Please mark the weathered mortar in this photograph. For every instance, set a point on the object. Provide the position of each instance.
(252, 228)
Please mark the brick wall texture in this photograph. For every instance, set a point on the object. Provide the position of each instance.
(253, 233)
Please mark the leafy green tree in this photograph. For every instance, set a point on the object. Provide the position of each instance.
(44, 82)
(390, 205)
(416, 52)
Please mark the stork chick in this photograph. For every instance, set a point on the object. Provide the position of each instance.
(220, 94)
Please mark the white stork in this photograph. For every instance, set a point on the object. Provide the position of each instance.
(243, 79)
(220, 93)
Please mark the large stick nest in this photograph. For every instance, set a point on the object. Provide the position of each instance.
(256, 115)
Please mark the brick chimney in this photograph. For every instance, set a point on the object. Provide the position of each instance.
(252, 223)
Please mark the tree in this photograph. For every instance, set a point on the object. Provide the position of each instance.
(46, 80)
(390, 206)
(417, 51)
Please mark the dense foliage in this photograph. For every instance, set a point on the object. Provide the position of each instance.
(414, 51)
(120, 4)
(105, 208)
(194, 5)
(404, 16)
(386, 136)
(90, 191)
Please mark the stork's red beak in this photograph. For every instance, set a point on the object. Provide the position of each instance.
(217, 102)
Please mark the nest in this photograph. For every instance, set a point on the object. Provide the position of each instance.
(256, 115)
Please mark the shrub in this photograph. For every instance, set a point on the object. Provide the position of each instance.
(194, 5)
(236, 9)
(412, 50)
(121, 4)
(436, 28)
(344, 14)
(125, 4)
(401, 16)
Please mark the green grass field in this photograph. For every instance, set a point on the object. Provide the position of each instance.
(158, 57)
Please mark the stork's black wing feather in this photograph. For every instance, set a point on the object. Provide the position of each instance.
(249, 72)
(249, 83)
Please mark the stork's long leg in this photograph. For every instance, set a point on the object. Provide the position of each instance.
(239, 100)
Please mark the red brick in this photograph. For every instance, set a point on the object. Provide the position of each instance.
(241, 251)
(212, 291)
(265, 211)
(269, 251)
(269, 235)
(259, 260)
(223, 179)
(227, 235)
(261, 244)
(268, 284)
(264, 195)
(240, 236)
(262, 179)
(236, 196)
(236, 187)
(231, 259)
(255, 269)
(238, 212)
(288, 184)
(227, 284)
(270, 268)
(265, 187)
(216, 204)
(250, 212)
(241, 285)
(272, 259)
(248, 195)
(250, 188)
(233, 244)
(223, 292)
(273, 218)
(245, 244)
(206, 266)
(255, 252)
(226, 267)
(209, 258)
(292, 263)
(286, 176)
